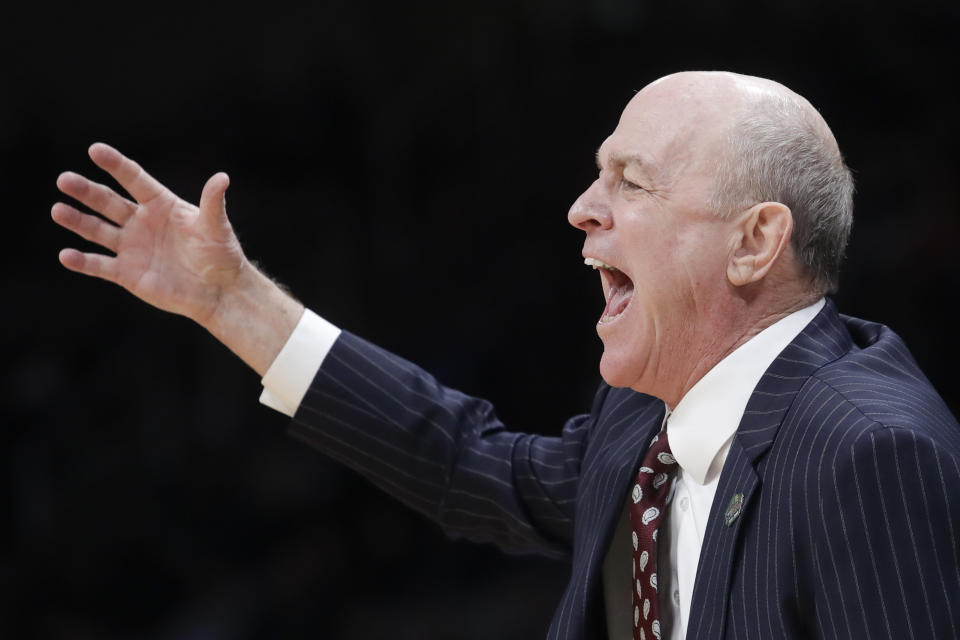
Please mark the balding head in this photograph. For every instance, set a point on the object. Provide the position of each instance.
(768, 143)
(780, 149)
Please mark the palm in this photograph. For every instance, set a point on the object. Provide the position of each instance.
(170, 258)
(170, 253)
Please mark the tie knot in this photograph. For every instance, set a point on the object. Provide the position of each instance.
(659, 458)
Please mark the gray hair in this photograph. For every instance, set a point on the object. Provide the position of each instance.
(780, 150)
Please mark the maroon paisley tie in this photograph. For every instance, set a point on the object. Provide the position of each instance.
(650, 495)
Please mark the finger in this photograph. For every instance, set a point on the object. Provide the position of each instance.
(96, 196)
(86, 226)
(90, 264)
(131, 176)
(213, 198)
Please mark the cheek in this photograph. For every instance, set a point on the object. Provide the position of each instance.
(702, 260)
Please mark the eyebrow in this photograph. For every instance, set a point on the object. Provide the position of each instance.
(621, 159)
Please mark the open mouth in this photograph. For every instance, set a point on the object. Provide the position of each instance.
(617, 287)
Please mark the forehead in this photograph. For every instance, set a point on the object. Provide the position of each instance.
(667, 128)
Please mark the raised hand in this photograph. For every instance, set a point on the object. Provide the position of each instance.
(176, 256)
(170, 253)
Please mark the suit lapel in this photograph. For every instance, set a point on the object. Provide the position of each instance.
(623, 438)
(624, 429)
(822, 341)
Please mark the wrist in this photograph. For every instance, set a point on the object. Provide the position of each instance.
(254, 317)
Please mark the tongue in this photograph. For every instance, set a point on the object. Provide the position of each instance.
(620, 294)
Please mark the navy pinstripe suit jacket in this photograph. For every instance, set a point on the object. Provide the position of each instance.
(848, 461)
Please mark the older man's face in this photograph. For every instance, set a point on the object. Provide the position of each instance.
(661, 251)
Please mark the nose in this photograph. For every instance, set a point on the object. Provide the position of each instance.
(591, 211)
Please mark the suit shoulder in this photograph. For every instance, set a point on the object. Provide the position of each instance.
(877, 384)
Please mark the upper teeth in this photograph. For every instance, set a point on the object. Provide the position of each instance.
(598, 264)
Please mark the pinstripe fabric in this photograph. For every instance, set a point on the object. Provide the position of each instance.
(846, 458)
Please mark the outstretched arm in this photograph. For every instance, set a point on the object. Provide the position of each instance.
(176, 256)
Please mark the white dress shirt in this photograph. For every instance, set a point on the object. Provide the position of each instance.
(700, 430)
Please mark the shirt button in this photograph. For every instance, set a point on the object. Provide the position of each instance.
(684, 503)
(676, 597)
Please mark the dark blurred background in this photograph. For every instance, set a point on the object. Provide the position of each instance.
(406, 168)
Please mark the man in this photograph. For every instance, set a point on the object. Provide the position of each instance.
(755, 465)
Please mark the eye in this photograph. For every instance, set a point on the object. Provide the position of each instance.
(629, 186)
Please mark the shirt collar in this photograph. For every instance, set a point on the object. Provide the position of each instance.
(706, 418)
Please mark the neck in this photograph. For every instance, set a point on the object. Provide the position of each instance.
(715, 334)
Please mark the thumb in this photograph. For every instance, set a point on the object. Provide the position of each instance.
(213, 199)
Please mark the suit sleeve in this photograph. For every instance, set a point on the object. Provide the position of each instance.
(887, 552)
(443, 453)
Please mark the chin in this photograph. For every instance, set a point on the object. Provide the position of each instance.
(618, 370)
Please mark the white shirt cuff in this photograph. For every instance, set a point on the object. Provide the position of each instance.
(290, 374)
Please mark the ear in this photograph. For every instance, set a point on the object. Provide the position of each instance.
(762, 234)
